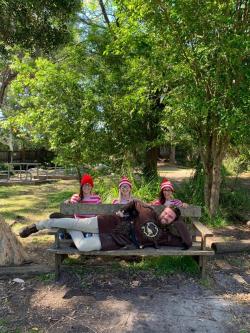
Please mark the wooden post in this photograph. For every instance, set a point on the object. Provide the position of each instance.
(203, 261)
(58, 261)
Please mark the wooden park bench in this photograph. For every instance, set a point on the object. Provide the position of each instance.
(199, 232)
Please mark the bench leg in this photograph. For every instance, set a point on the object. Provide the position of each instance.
(58, 261)
(203, 262)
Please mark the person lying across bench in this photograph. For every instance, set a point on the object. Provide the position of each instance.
(137, 225)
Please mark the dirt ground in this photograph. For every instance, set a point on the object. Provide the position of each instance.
(94, 297)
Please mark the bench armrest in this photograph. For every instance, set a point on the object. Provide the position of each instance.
(203, 231)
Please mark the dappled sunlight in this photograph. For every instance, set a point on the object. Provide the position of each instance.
(239, 279)
(50, 297)
(241, 298)
(124, 314)
(175, 173)
(33, 202)
(223, 264)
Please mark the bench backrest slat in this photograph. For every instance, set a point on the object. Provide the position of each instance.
(81, 209)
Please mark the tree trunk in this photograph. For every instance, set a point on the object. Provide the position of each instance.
(212, 155)
(150, 168)
(172, 154)
(79, 175)
(215, 187)
(11, 250)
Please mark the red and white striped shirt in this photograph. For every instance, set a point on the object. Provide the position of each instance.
(92, 199)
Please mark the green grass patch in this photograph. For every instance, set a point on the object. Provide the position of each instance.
(206, 282)
(55, 199)
(159, 266)
(165, 265)
(48, 277)
(3, 322)
(218, 221)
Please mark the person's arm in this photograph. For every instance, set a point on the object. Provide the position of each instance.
(155, 202)
(179, 203)
(128, 210)
(183, 232)
(74, 199)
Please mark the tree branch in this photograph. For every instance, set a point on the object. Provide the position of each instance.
(7, 76)
(105, 15)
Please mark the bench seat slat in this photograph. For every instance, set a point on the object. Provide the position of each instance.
(163, 251)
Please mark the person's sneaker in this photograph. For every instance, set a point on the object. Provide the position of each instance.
(28, 231)
(57, 215)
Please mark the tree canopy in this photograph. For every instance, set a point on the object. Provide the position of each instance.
(130, 76)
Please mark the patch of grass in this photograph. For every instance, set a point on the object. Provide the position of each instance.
(48, 277)
(206, 282)
(218, 221)
(5, 329)
(160, 266)
(235, 198)
(55, 199)
(3, 322)
(33, 202)
(166, 265)
(71, 261)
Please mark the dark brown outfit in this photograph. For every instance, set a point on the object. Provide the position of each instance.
(116, 232)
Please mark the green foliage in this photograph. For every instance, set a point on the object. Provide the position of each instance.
(155, 73)
(37, 24)
(235, 196)
(238, 162)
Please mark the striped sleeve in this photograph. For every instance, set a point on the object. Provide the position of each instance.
(176, 202)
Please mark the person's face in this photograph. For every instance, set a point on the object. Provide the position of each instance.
(86, 189)
(125, 189)
(167, 192)
(167, 216)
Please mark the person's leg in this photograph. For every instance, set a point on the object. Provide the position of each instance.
(87, 224)
(92, 243)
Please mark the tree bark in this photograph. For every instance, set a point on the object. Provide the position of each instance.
(104, 12)
(11, 250)
(215, 187)
(172, 154)
(6, 77)
(150, 168)
(212, 156)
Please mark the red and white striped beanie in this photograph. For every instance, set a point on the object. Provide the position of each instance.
(125, 181)
(166, 184)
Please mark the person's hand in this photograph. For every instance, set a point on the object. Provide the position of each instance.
(67, 201)
(120, 213)
(185, 205)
